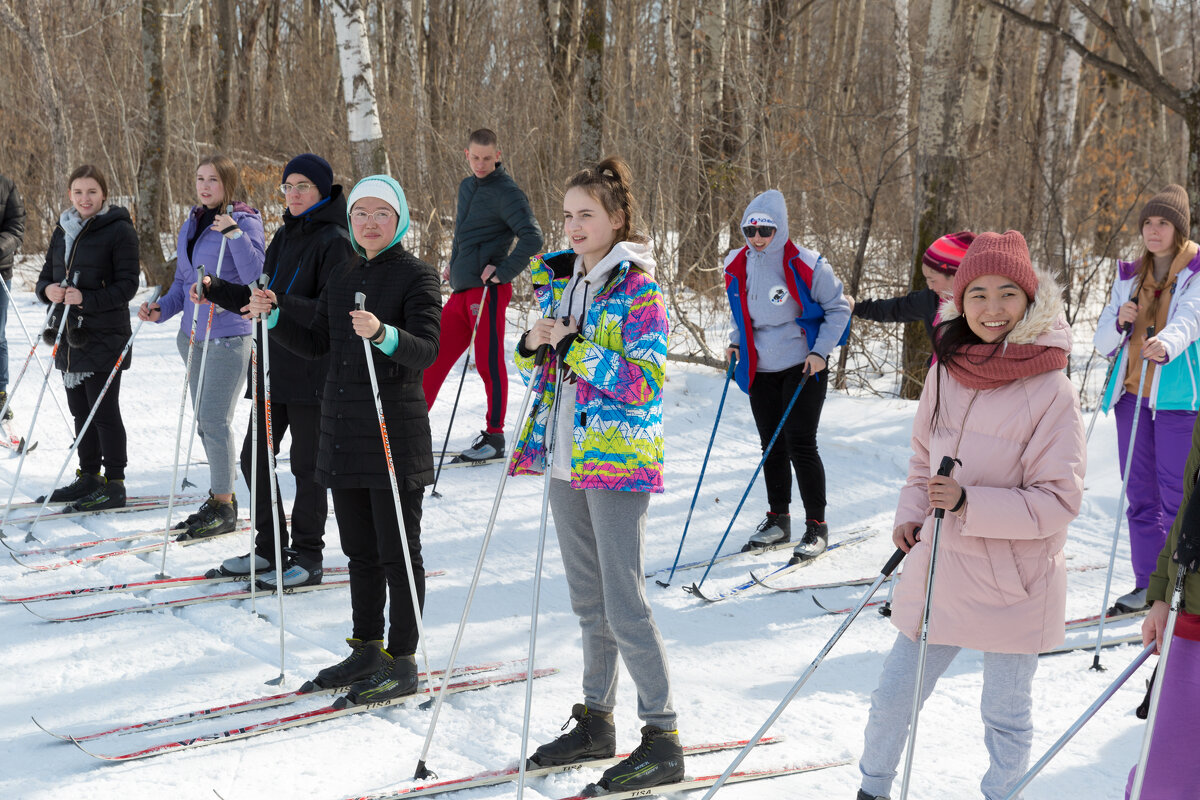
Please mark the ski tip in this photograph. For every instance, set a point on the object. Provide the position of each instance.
(36, 614)
(75, 742)
(47, 731)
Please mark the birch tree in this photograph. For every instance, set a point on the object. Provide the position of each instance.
(358, 88)
(152, 171)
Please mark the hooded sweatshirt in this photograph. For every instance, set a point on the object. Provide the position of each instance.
(574, 302)
(779, 341)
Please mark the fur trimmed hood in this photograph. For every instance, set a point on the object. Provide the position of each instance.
(1044, 322)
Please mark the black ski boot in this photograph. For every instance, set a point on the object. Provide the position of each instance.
(109, 495)
(8, 411)
(656, 761)
(84, 484)
(815, 542)
(594, 736)
(214, 518)
(364, 660)
(775, 529)
(394, 679)
(864, 796)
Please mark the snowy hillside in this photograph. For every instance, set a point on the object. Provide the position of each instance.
(731, 662)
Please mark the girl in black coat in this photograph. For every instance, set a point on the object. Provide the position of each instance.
(402, 324)
(97, 242)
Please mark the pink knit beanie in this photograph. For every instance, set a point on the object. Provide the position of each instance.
(996, 254)
(946, 252)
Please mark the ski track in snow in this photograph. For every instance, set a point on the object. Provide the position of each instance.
(731, 662)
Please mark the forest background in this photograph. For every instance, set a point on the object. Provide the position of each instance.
(885, 123)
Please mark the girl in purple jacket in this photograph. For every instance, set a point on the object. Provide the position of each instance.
(220, 222)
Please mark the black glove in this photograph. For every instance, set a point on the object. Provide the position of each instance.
(1187, 547)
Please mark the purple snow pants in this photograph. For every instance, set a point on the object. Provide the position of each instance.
(1172, 769)
(1155, 489)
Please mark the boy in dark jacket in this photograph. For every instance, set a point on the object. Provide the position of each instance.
(311, 244)
(492, 212)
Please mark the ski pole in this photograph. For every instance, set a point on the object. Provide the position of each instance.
(884, 574)
(945, 468)
(551, 435)
(422, 771)
(1087, 715)
(694, 588)
(212, 308)
(32, 348)
(273, 487)
(1139, 775)
(256, 324)
(360, 301)
(461, 379)
(91, 414)
(1112, 553)
(703, 467)
(187, 374)
(1107, 376)
(62, 324)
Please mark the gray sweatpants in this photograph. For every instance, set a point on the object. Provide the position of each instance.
(1006, 708)
(600, 535)
(224, 379)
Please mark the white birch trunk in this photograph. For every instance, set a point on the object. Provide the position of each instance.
(979, 74)
(358, 87)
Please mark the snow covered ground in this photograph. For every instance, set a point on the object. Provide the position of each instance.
(731, 662)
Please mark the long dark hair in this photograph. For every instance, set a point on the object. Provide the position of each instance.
(1146, 268)
(950, 338)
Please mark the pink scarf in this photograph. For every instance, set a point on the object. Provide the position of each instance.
(988, 366)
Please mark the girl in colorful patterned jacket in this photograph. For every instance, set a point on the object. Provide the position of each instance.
(598, 401)
(999, 401)
(789, 313)
(1162, 288)
(209, 228)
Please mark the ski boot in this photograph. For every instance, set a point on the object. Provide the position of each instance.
(110, 494)
(594, 736)
(8, 415)
(364, 660)
(84, 484)
(656, 761)
(239, 567)
(1132, 603)
(396, 678)
(815, 542)
(295, 573)
(485, 447)
(775, 529)
(214, 518)
(864, 796)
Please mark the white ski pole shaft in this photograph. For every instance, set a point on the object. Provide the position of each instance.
(187, 375)
(422, 771)
(254, 458)
(360, 301)
(946, 467)
(551, 431)
(91, 415)
(187, 462)
(1112, 364)
(1139, 775)
(1084, 718)
(280, 567)
(458, 395)
(45, 368)
(62, 324)
(1120, 515)
(884, 574)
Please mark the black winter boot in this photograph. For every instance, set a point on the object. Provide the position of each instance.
(364, 660)
(84, 484)
(656, 761)
(594, 736)
(392, 680)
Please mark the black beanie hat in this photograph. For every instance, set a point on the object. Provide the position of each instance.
(315, 168)
(1172, 205)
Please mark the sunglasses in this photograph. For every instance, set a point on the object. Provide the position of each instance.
(765, 231)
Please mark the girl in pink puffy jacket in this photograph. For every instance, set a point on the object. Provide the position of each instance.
(1000, 403)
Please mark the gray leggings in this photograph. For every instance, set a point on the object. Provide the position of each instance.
(1006, 707)
(224, 379)
(600, 535)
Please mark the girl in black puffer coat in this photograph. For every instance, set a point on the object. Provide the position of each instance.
(97, 242)
(402, 323)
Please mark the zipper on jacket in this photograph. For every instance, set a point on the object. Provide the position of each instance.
(71, 263)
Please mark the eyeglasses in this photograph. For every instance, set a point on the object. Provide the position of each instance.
(765, 231)
(284, 188)
(379, 217)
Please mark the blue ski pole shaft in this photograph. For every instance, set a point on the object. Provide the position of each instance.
(884, 574)
(703, 467)
(754, 477)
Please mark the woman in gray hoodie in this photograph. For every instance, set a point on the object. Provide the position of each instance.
(789, 313)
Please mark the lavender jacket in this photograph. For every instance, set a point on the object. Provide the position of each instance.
(1001, 581)
(243, 264)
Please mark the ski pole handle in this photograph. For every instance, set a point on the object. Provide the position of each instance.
(944, 469)
(263, 281)
(893, 562)
(201, 293)
(238, 234)
(360, 300)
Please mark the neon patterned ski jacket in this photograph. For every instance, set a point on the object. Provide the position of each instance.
(619, 358)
